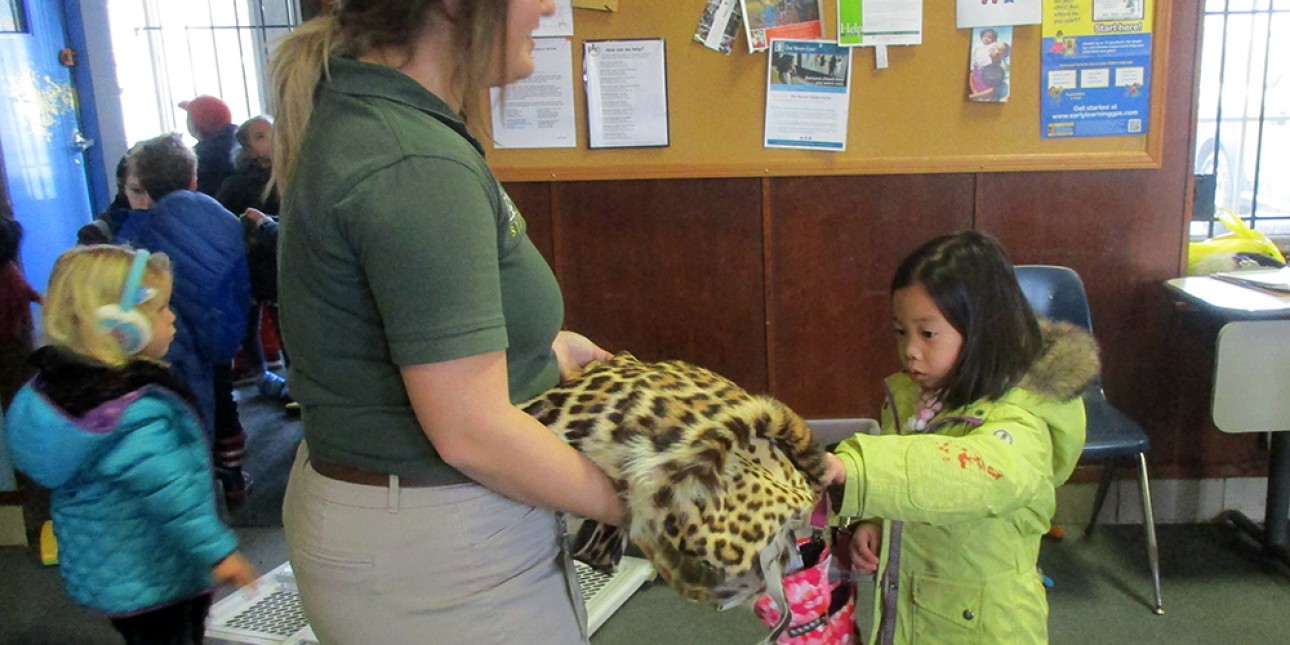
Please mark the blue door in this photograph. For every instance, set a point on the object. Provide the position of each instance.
(44, 166)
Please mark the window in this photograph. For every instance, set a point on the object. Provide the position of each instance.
(1243, 121)
(13, 20)
(169, 51)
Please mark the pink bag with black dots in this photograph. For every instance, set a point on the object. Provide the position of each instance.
(823, 613)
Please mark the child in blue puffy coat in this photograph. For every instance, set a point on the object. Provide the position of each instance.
(115, 436)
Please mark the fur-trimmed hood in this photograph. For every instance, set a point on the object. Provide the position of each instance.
(1068, 363)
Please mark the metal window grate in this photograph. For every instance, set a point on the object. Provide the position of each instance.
(1243, 123)
(169, 51)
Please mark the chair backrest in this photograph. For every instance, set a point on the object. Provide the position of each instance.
(1055, 292)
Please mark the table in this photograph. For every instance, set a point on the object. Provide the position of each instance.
(1251, 386)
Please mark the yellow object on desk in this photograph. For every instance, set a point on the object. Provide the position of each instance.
(1239, 239)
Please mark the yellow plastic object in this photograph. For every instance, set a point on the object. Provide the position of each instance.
(1239, 239)
(48, 544)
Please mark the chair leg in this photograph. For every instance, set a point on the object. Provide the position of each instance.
(1149, 526)
(1108, 474)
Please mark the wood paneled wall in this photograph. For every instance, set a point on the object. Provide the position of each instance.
(781, 283)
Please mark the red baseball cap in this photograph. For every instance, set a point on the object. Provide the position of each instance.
(208, 113)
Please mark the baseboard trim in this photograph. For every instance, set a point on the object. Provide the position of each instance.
(1173, 501)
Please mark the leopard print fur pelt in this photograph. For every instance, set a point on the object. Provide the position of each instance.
(715, 480)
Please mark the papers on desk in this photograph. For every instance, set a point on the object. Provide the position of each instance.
(1272, 279)
(1231, 299)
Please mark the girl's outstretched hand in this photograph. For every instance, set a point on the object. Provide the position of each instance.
(866, 544)
(235, 570)
(835, 474)
(573, 351)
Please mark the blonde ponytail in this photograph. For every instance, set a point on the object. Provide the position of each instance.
(299, 63)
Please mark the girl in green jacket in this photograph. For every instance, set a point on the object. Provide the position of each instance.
(978, 430)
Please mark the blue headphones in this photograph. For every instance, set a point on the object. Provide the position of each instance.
(122, 321)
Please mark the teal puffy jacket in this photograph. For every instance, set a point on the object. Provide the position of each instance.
(132, 496)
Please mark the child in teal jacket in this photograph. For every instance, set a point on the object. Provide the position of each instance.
(115, 436)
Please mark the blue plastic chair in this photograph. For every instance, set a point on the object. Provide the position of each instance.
(1058, 293)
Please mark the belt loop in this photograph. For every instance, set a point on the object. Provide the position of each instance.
(392, 494)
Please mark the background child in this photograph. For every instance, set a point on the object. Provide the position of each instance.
(16, 298)
(212, 289)
(16, 344)
(979, 428)
(246, 186)
(211, 124)
(107, 427)
(247, 194)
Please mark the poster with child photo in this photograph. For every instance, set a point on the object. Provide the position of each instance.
(988, 67)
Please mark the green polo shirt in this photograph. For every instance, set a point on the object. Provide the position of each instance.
(399, 247)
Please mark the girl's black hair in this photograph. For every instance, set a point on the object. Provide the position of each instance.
(970, 278)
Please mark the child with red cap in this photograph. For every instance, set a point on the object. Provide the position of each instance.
(211, 123)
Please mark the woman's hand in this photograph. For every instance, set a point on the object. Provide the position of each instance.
(573, 351)
(866, 544)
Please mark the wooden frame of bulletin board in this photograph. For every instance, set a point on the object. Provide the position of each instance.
(912, 117)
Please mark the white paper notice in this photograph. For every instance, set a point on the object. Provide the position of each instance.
(880, 22)
(626, 83)
(537, 112)
(559, 23)
(974, 13)
(808, 95)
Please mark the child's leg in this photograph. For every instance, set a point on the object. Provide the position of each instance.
(249, 364)
(230, 438)
(183, 623)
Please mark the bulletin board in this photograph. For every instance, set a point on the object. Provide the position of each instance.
(912, 117)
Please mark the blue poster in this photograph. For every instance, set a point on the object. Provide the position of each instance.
(1096, 69)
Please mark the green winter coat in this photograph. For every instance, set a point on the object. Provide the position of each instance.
(971, 498)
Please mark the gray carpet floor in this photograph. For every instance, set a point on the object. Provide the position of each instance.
(1218, 588)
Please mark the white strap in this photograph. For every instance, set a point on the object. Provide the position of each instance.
(775, 589)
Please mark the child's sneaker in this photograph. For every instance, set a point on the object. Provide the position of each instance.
(236, 484)
(273, 386)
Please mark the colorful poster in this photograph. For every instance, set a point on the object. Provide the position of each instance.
(767, 19)
(808, 95)
(990, 64)
(1096, 69)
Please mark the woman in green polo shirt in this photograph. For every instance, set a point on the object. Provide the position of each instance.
(423, 505)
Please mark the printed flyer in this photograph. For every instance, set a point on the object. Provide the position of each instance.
(1096, 69)
(808, 95)
(765, 20)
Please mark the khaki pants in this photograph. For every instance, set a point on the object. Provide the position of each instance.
(448, 564)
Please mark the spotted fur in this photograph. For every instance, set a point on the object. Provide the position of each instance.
(711, 475)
